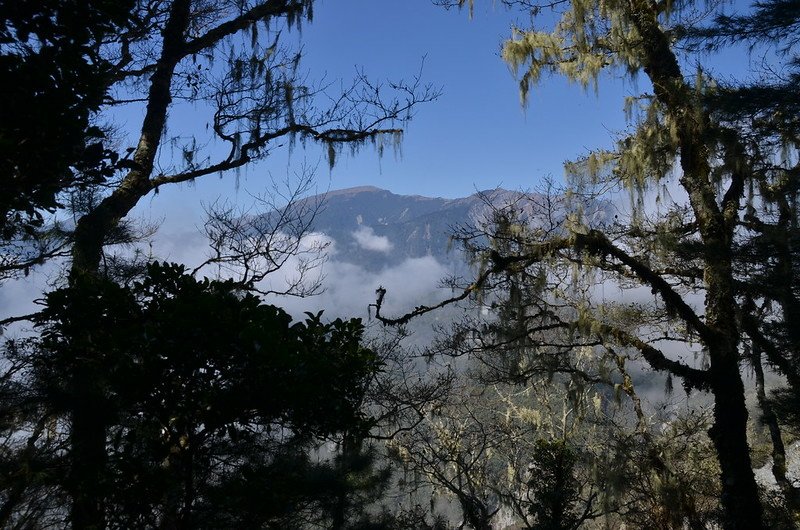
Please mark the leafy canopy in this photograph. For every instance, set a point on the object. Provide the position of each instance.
(206, 396)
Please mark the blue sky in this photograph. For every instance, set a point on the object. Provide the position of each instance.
(475, 136)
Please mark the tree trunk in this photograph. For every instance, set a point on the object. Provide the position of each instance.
(791, 494)
(88, 435)
(740, 500)
(88, 451)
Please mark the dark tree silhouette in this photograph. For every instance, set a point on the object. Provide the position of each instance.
(210, 404)
(53, 70)
(227, 56)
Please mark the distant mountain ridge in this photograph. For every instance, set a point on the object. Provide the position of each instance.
(374, 227)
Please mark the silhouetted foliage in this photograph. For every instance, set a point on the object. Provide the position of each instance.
(210, 401)
(553, 489)
(52, 70)
(66, 63)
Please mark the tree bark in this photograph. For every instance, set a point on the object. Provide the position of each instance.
(93, 228)
(791, 494)
(88, 453)
(740, 500)
(88, 434)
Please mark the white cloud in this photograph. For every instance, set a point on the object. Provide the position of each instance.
(349, 288)
(318, 241)
(366, 239)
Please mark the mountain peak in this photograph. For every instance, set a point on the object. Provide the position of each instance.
(364, 220)
(354, 191)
